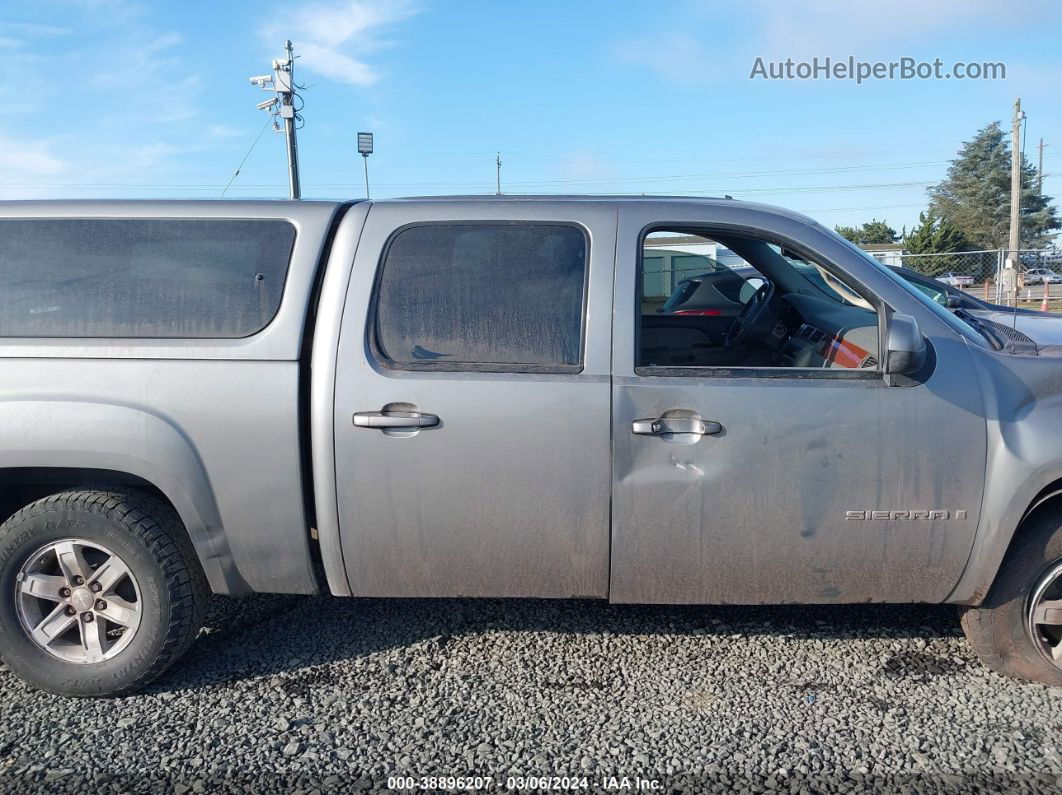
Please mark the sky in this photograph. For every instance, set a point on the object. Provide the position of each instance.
(114, 98)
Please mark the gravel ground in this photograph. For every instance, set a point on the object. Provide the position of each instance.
(297, 693)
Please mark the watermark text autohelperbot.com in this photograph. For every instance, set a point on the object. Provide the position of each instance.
(849, 68)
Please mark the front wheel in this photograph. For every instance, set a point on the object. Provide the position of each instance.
(100, 591)
(1017, 630)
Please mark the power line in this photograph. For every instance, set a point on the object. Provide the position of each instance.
(485, 187)
(665, 178)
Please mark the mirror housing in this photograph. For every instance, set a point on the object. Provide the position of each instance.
(953, 301)
(905, 349)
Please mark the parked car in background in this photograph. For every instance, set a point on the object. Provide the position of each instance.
(1043, 328)
(1042, 276)
(956, 279)
(952, 297)
(239, 397)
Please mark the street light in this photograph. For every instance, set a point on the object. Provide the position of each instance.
(365, 149)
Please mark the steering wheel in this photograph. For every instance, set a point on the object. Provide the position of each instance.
(750, 318)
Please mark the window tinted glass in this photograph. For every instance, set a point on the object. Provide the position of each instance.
(141, 277)
(507, 295)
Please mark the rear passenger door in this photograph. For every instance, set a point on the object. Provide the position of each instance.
(472, 405)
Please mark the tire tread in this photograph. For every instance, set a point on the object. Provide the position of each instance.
(995, 628)
(156, 525)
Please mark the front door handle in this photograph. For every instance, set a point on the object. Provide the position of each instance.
(658, 426)
(395, 419)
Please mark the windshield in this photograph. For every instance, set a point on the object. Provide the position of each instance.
(966, 329)
(826, 282)
(939, 296)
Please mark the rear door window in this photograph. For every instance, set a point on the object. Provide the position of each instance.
(482, 296)
(154, 278)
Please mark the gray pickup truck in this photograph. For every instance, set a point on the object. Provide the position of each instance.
(478, 397)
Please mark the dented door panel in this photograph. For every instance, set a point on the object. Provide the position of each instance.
(814, 491)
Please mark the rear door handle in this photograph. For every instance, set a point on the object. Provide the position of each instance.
(658, 426)
(395, 419)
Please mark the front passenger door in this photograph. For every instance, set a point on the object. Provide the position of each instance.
(744, 484)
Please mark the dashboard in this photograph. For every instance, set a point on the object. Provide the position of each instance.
(813, 332)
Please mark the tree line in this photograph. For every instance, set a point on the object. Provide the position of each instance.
(969, 210)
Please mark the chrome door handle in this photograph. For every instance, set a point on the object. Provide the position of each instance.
(395, 419)
(660, 425)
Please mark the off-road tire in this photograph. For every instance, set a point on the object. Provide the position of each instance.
(996, 629)
(150, 539)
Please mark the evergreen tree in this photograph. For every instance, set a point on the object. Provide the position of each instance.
(871, 232)
(933, 235)
(974, 197)
(849, 233)
(876, 231)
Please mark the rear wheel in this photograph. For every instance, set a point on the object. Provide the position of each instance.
(100, 591)
(1017, 630)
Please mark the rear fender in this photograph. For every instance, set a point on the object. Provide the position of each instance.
(77, 434)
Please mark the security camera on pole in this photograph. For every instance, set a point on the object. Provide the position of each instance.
(282, 83)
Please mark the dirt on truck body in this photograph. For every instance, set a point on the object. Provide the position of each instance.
(499, 397)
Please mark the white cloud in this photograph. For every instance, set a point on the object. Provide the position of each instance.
(800, 30)
(843, 27)
(24, 157)
(33, 29)
(225, 131)
(148, 67)
(585, 166)
(30, 169)
(332, 39)
(676, 57)
(86, 125)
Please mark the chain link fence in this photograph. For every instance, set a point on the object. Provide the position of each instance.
(981, 273)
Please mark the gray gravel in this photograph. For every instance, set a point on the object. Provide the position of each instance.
(290, 693)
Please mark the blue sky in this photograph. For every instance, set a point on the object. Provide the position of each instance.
(112, 98)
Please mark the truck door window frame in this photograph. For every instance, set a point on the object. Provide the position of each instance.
(372, 319)
(881, 309)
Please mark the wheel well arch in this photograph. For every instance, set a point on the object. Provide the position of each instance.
(1050, 494)
(22, 485)
(19, 486)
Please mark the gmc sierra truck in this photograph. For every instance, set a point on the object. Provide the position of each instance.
(478, 397)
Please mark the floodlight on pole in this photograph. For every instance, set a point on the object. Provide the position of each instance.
(365, 149)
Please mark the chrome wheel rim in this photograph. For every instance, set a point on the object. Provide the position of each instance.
(1044, 615)
(78, 601)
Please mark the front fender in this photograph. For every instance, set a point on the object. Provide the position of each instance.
(1023, 404)
(79, 434)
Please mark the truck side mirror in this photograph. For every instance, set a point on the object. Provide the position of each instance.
(906, 347)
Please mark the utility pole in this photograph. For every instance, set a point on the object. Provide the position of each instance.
(497, 172)
(283, 72)
(1010, 271)
(1040, 170)
(282, 83)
